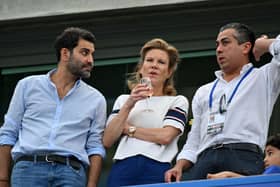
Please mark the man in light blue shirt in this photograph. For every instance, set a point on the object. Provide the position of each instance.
(54, 125)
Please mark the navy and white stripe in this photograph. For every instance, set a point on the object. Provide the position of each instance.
(115, 111)
(177, 114)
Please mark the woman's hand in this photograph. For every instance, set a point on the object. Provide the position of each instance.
(139, 92)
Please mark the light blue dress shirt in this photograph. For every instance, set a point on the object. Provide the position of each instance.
(39, 122)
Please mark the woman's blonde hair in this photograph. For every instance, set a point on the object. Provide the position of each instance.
(157, 43)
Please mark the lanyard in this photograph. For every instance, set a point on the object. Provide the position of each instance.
(234, 91)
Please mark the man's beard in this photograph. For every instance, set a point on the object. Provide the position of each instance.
(76, 68)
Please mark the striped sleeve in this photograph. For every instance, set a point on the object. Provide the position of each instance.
(177, 114)
(115, 111)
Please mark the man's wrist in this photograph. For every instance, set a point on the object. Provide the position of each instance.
(4, 180)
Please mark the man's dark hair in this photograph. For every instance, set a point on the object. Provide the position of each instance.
(243, 34)
(69, 39)
(274, 141)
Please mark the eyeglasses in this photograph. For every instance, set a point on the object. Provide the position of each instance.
(223, 104)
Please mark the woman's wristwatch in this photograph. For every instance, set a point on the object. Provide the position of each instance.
(131, 131)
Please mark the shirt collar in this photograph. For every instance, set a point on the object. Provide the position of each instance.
(77, 83)
(245, 68)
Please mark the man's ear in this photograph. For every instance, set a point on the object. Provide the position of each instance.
(247, 47)
(65, 54)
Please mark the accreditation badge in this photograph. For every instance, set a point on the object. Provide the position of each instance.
(215, 123)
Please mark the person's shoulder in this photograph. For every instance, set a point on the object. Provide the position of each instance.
(181, 101)
(94, 91)
(181, 98)
(33, 78)
(202, 91)
(206, 86)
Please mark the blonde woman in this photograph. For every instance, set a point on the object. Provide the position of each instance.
(148, 126)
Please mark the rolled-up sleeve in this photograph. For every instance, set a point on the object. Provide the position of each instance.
(12, 122)
(94, 144)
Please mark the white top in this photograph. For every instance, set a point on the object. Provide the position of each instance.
(248, 114)
(166, 111)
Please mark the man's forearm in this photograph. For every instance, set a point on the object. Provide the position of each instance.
(94, 170)
(5, 162)
(183, 164)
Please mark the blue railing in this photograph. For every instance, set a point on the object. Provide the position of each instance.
(272, 180)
